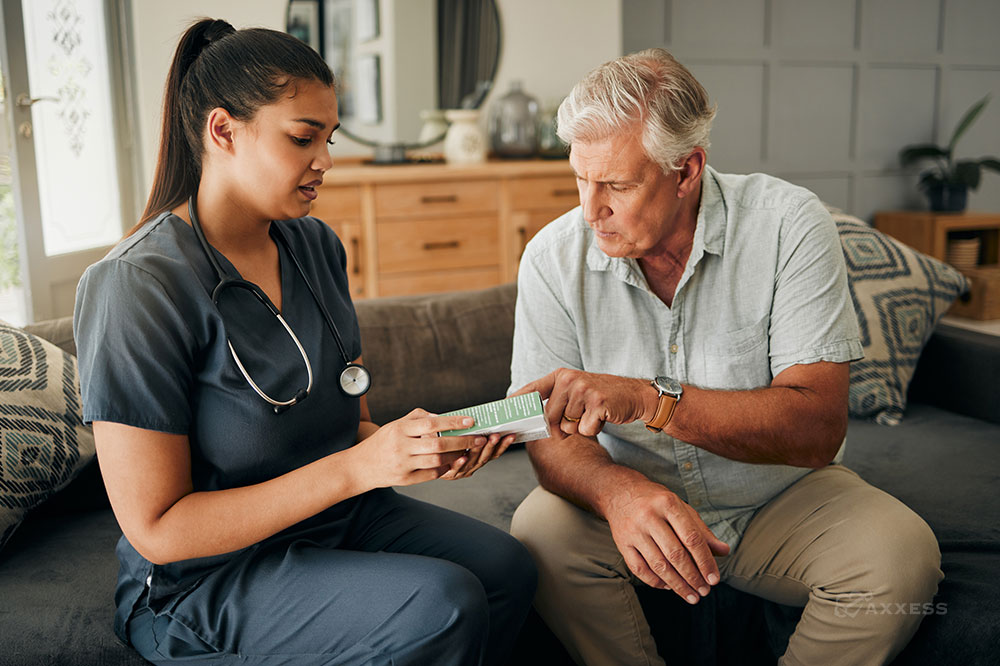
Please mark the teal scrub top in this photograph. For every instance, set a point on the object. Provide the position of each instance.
(153, 354)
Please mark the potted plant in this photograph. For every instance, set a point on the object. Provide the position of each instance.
(947, 181)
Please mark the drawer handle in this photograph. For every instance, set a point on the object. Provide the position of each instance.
(567, 192)
(440, 198)
(441, 245)
(356, 254)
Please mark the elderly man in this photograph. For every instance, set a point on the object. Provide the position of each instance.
(692, 331)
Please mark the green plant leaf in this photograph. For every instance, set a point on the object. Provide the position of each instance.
(990, 163)
(967, 172)
(969, 117)
(917, 152)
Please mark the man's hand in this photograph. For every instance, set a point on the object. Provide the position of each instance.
(582, 402)
(664, 541)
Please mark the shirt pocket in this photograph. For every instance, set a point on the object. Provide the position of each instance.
(739, 359)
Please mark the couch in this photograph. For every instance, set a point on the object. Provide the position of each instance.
(447, 351)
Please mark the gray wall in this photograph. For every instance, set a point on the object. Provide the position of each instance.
(824, 93)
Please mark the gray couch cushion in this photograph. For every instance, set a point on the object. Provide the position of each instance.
(440, 352)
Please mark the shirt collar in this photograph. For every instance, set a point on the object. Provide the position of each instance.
(709, 236)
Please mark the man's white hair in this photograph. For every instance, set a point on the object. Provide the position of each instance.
(649, 88)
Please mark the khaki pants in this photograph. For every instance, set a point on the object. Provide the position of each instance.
(862, 564)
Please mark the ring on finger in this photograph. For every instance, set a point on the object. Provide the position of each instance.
(572, 419)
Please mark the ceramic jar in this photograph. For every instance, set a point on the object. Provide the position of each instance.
(465, 142)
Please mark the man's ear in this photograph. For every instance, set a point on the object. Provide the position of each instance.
(691, 171)
(219, 130)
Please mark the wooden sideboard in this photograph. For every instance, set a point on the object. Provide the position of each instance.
(420, 228)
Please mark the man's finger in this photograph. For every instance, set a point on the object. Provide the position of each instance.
(663, 569)
(543, 385)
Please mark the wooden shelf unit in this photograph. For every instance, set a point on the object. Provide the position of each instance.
(421, 228)
(928, 231)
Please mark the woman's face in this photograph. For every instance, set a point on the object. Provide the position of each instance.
(282, 153)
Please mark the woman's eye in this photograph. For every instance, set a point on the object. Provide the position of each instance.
(299, 141)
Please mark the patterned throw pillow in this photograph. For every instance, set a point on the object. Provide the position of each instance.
(43, 442)
(899, 294)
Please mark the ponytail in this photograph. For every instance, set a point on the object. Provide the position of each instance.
(217, 66)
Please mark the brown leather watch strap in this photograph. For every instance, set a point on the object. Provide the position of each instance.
(664, 412)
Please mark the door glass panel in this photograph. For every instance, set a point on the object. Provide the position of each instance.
(73, 123)
(12, 303)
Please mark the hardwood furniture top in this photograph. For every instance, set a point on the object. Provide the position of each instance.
(355, 172)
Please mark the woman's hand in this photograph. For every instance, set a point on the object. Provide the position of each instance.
(495, 447)
(408, 450)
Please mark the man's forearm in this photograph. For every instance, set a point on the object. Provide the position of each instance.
(578, 469)
(775, 425)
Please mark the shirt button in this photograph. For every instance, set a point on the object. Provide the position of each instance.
(673, 349)
(688, 466)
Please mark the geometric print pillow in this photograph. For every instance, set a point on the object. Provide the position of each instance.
(899, 294)
(43, 442)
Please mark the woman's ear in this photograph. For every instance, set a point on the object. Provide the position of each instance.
(219, 131)
(690, 173)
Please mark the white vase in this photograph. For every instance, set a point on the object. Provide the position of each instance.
(465, 142)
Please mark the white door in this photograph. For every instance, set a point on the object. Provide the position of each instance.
(68, 142)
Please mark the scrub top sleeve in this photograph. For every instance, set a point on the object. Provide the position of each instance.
(135, 351)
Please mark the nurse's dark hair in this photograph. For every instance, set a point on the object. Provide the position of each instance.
(216, 65)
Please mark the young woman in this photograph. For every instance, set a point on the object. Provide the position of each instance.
(221, 367)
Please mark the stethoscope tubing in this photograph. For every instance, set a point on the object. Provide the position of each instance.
(351, 369)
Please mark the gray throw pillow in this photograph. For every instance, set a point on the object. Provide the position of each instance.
(43, 442)
(899, 295)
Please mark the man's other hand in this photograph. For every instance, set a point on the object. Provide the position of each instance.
(664, 541)
(582, 402)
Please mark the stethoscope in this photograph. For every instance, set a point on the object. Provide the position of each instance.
(355, 380)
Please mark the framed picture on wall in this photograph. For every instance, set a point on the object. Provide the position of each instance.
(304, 22)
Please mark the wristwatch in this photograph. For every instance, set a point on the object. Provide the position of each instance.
(670, 391)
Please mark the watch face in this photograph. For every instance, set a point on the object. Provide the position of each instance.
(669, 385)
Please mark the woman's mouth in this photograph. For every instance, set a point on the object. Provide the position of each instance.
(309, 191)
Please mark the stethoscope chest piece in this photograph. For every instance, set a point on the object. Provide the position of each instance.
(355, 380)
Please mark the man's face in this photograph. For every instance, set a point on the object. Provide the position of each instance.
(627, 199)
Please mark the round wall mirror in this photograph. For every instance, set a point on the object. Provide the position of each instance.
(400, 63)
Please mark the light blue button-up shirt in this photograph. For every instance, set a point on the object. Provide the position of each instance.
(765, 288)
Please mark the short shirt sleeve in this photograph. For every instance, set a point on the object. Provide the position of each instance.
(136, 351)
(812, 316)
(545, 335)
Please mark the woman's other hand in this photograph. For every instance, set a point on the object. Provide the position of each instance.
(495, 447)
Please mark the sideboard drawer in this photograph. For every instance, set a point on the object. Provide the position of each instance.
(426, 282)
(436, 198)
(549, 192)
(427, 245)
(337, 202)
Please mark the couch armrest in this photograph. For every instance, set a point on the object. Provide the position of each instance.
(958, 371)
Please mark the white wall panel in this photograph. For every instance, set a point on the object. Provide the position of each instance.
(737, 89)
(900, 28)
(897, 109)
(814, 27)
(877, 192)
(833, 190)
(971, 30)
(811, 117)
(720, 26)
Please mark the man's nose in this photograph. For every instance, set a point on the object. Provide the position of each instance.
(594, 206)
